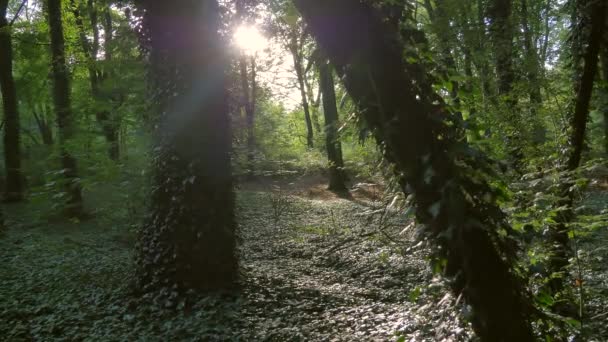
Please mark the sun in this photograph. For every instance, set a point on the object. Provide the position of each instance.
(249, 39)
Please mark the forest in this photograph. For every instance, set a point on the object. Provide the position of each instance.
(304, 170)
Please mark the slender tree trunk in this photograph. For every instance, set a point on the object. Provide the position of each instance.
(337, 176)
(107, 121)
(532, 72)
(12, 145)
(111, 125)
(189, 240)
(299, 68)
(581, 110)
(313, 104)
(501, 34)
(545, 43)
(408, 119)
(532, 64)
(605, 78)
(559, 231)
(63, 110)
(248, 85)
(2, 222)
(501, 31)
(44, 126)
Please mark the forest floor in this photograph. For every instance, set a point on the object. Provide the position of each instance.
(315, 266)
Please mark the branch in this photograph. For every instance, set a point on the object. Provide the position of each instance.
(17, 13)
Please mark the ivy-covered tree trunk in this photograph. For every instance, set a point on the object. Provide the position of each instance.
(63, 110)
(296, 53)
(189, 240)
(453, 199)
(12, 145)
(337, 176)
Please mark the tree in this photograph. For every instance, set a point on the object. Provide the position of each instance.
(189, 240)
(296, 47)
(108, 121)
(456, 205)
(249, 91)
(12, 144)
(337, 177)
(604, 58)
(596, 11)
(63, 110)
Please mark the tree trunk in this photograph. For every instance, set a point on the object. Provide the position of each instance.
(605, 78)
(501, 34)
(63, 110)
(337, 176)
(409, 120)
(44, 126)
(299, 68)
(12, 145)
(2, 222)
(559, 231)
(314, 103)
(189, 240)
(249, 89)
(581, 110)
(532, 59)
(109, 125)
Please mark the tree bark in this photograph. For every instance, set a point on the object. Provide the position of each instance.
(189, 240)
(296, 52)
(409, 120)
(63, 110)
(12, 146)
(337, 176)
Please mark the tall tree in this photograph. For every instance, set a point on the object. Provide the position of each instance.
(604, 56)
(63, 110)
(107, 120)
(337, 177)
(593, 17)
(457, 208)
(12, 145)
(248, 75)
(296, 48)
(189, 240)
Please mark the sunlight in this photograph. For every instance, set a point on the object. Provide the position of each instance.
(249, 39)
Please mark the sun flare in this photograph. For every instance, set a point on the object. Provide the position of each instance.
(249, 39)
